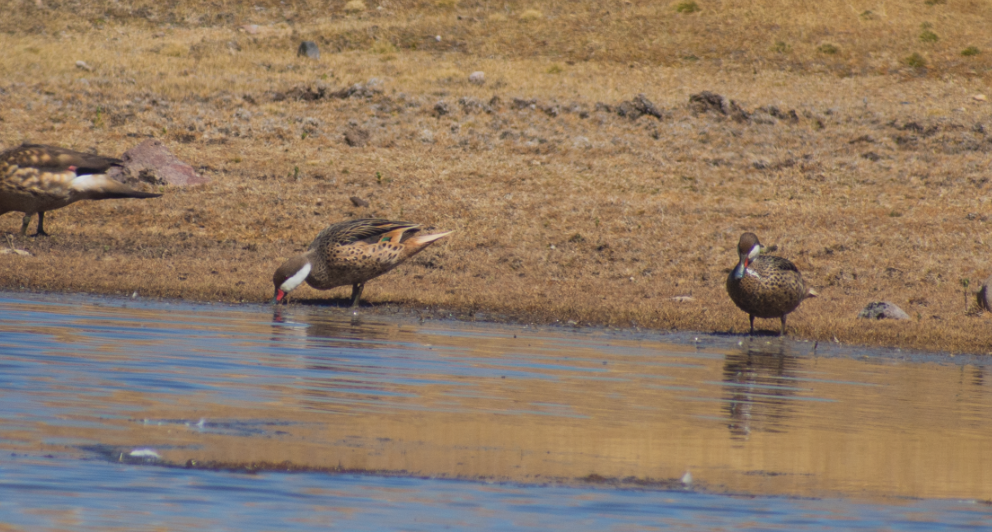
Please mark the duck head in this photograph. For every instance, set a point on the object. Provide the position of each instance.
(748, 249)
(292, 272)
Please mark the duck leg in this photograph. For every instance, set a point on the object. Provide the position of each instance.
(356, 293)
(783, 326)
(41, 224)
(24, 224)
(751, 317)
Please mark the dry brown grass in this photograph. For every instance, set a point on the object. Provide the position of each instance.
(878, 191)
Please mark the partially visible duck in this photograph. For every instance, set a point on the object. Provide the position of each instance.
(765, 286)
(35, 178)
(352, 253)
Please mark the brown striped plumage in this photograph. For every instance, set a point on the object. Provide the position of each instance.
(35, 178)
(765, 286)
(352, 253)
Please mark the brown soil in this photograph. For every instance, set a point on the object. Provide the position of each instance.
(573, 198)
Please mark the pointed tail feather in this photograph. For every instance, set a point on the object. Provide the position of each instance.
(417, 243)
(99, 186)
(423, 240)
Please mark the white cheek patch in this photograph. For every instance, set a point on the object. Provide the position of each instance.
(289, 284)
(755, 251)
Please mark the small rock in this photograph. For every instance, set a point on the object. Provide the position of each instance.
(250, 29)
(478, 77)
(882, 310)
(356, 137)
(682, 299)
(985, 295)
(977, 97)
(151, 162)
(441, 108)
(358, 202)
(83, 66)
(308, 49)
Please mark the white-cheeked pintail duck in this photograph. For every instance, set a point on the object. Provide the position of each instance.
(765, 286)
(35, 178)
(352, 253)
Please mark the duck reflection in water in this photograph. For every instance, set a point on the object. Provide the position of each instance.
(760, 382)
(316, 330)
(343, 355)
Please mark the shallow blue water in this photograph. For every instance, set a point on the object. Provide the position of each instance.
(44, 493)
(83, 381)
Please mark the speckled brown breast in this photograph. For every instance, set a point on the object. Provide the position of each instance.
(352, 263)
(770, 288)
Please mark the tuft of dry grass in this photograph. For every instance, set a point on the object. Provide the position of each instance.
(869, 173)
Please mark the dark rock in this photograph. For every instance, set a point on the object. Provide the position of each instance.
(151, 162)
(520, 103)
(706, 101)
(882, 310)
(308, 49)
(358, 202)
(441, 108)
(470, 105)
(356, 137)
(321, 91)
(638, 107)
(790, 117)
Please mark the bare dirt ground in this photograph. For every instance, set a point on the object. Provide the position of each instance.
(866, 162)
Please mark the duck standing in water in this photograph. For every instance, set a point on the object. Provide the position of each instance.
(765, 286)
(35, 178)
(352, 253)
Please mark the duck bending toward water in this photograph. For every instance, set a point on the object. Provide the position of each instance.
(35, 178)
(765, 286)
(352, 253)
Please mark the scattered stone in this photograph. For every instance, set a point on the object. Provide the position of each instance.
(441, 108)
(356, 137)
(322, 91)
(638, 107)
(83, 66)
(707, 101)
(250, 29)
(470, 105)
(790, 117)
(882, 310)
(979, 98)
(682, 299)
(985, 295)
(358, 202)
(9, 251)
(520, 103)
(308, 49)
(151, 162)
(478, 77)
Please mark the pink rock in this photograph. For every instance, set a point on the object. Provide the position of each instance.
(151, 162)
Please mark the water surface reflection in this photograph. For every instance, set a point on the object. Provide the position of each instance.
(322, 390)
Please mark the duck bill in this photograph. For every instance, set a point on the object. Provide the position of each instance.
(741, 266)
(279, 297)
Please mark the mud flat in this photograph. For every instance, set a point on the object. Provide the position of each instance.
(583, 186)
